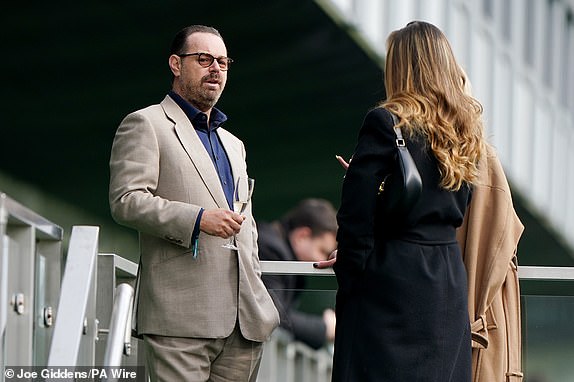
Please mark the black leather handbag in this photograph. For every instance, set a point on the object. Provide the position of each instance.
(402, 187)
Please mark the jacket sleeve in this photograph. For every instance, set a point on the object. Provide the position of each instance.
(371, 161)
(134, 177)
(308, 328)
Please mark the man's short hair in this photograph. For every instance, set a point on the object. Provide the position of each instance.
(178, 43)
(317, 214)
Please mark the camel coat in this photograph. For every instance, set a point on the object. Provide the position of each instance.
(489, 237)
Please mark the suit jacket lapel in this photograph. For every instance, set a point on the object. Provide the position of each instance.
(233, 153)
(195, 150)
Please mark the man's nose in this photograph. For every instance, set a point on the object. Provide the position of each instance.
(214, 67)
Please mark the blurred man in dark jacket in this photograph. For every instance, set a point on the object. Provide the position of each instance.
(305, 233)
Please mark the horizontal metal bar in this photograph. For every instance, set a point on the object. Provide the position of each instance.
(293, 268)
(15, 211)
(123, 265)
(545, 273)
(306, 268)
(267, 267)
(126, 265)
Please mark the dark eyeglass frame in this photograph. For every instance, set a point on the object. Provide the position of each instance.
(222, 61)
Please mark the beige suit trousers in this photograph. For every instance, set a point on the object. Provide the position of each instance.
(231, 359)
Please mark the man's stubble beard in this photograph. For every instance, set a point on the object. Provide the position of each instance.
(201, 98)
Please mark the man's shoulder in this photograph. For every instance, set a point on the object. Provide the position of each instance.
(148, 112)
(266, 233)
(157, 108)
(153, 115)
(150, 117)
(271, 244)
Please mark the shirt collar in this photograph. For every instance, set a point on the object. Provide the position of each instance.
(195, 116)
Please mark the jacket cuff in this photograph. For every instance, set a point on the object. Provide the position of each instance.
(195, 234)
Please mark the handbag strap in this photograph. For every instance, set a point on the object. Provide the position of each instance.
(400, 141)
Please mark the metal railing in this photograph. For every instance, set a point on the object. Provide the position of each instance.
(94, 316)
(550, 310)
(545, 273)
(30, 264)
(76, 326)
(87, 321)
(120, 332)
(116, 277)
(306, 268)
(50, 316)
(286, 360)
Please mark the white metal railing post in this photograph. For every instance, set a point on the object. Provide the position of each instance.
(76, 312)
(120, 324)
(30, 263)
(3, 284)
(113, 271)
(128, 325)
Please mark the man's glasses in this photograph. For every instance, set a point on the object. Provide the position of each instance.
(206, 60)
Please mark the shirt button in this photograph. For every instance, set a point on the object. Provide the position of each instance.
(225, 183)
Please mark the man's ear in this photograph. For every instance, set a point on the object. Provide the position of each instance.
(174, 62)
(300, 233)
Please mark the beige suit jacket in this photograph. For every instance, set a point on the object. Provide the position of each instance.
(160, 177)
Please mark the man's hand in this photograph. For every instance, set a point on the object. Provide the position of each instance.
(221, 222)
(330, 321)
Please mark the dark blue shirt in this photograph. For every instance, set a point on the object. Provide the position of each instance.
(210, 139)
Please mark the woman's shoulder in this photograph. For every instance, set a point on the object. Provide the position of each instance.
(379, 119)
(380, 116)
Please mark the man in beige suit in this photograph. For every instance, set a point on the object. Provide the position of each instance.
(202, 309)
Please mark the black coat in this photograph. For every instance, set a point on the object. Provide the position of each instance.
(402, 299)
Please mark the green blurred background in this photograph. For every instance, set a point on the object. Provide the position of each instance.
(296, 95)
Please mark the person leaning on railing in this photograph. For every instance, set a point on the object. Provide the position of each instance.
(304, 233)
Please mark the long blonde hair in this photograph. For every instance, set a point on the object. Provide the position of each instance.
(426, 90)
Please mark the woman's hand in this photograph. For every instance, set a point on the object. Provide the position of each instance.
(327, 263)
(343, 163)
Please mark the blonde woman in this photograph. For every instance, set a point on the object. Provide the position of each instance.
(402, 299)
